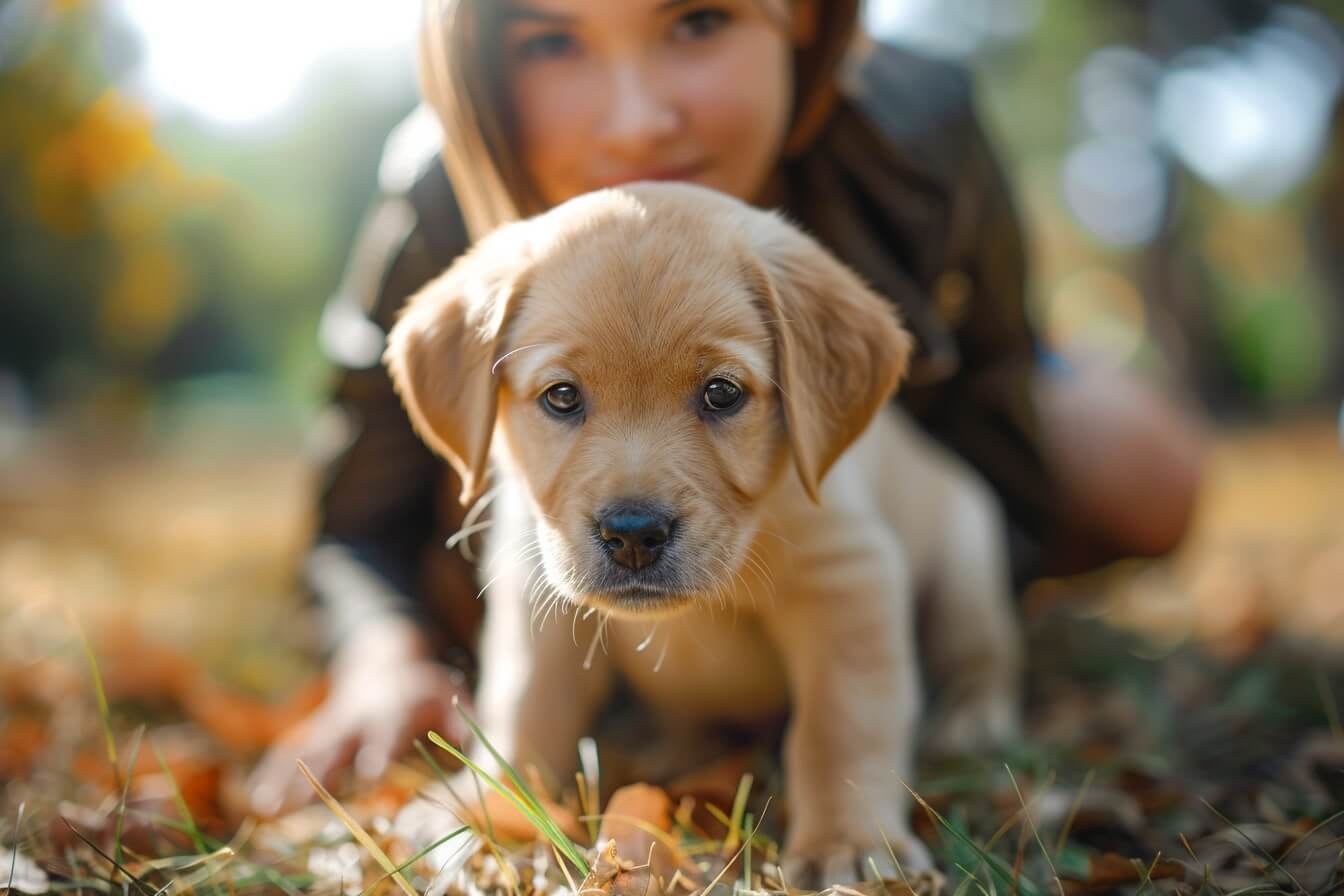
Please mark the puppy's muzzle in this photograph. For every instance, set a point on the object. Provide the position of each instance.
(634, 536)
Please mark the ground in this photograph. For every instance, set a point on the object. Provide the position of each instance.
(1184, 731)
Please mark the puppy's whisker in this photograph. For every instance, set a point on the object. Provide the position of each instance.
(527, 555)
(762, 570)
(541, 609)
(746, 587)
(485, 500)
(662, 654)
(461, 535)
(736, 576)
(764, 531)
(721, 586)
(599, 637)
(777, 386)
(550, 605)
(528, 584)
(527, 551)
(469, 524)
(504, 357)
(648, 639)
(486, 587)
(539, 598)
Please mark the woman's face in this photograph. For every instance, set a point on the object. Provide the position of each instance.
(610, 91)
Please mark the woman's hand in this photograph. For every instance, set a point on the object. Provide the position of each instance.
(385, 690)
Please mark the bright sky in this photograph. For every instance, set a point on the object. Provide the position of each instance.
(237, 62)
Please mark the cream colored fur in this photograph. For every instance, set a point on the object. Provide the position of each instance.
(810, 522)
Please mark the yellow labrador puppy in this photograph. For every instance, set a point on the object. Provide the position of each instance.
(686, 404)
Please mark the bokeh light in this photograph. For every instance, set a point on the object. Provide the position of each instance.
(1097, 314)
(1251, 116)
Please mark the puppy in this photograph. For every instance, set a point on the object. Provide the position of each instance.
(686, 404)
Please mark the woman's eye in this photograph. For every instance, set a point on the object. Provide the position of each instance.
(700, 23)
(723, 395)
(562, 399)
(547, 45)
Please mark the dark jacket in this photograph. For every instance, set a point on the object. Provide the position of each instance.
(901, 184)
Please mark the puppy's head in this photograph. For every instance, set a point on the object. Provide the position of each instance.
(652, 358)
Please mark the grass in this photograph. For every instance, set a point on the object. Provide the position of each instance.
(1225, 766)
(1286, 837)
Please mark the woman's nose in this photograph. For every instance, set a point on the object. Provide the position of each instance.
(638, 115)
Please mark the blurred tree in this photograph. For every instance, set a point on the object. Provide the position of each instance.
(136, 250)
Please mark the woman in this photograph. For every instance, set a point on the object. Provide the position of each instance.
(875, 151)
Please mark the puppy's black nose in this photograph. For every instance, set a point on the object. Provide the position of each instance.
(634, 536)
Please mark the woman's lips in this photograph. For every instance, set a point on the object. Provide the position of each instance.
(679, 172)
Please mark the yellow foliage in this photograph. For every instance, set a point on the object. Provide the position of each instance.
(144, 298)
(112, 139)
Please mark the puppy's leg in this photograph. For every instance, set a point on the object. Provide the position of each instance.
(974, 646)
(848, 643)
(535, 700)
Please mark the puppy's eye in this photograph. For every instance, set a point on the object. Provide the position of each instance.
(562, 399)
(723, 395)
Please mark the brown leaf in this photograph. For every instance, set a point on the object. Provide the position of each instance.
(511, 825)
(715, 785)
(21, 743)
(243, 723)
(632, 821)
(1110, 870)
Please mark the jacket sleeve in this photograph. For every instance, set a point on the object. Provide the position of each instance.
(381, 514)
(986, 411)
(952, 256)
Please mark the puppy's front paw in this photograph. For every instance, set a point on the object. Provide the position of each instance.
(976, 723)
(828, 863)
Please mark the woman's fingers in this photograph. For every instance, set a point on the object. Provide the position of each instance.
(381, 744)
(371, 726)
(278, 785)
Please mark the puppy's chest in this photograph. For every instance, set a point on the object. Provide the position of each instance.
(700, 667)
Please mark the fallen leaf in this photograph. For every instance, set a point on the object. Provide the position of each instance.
(1110, 870)
(637, 821)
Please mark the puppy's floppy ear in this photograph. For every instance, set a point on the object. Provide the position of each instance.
(442, 350)
(839, 347)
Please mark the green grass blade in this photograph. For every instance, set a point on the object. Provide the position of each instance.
(996, 865)
(524, 801)
(415, 858)
(746, 856)
(126, 792)
(104, 712)
(556, 835)
(14, 856)
(739, 809)
(193, 830)
(447, 785)
(1031, 823)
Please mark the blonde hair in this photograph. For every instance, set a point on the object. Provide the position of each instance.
(462, 81)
